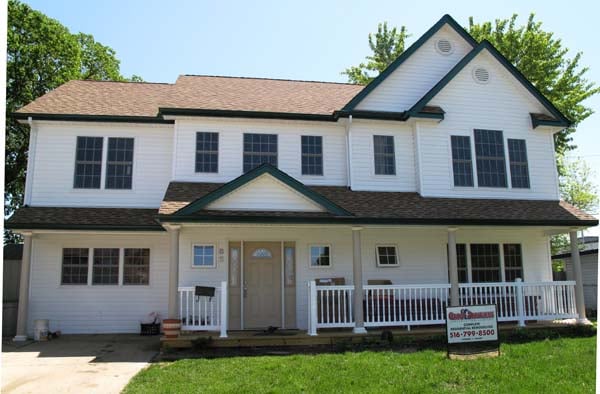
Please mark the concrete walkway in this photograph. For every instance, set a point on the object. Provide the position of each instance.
(75, 363)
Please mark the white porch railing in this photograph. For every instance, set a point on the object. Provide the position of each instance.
(203, 313)
(407, 305)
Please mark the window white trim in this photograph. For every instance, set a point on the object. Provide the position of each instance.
(377, 246)
(214, 262)
(310, 256)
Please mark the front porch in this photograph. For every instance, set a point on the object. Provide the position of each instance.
(397, 307)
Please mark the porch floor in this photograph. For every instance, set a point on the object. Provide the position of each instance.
(252, 338)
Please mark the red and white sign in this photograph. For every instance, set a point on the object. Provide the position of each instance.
(474, 323)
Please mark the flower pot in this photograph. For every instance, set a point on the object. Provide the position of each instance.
(171, 327)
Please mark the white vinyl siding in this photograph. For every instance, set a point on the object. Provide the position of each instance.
(502, 104)
(417, 75)
(289, 153)
(55, 149)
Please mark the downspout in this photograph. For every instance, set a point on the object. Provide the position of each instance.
(30, 162)
(349, 151)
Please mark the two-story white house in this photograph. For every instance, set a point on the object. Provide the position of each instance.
(304, 204)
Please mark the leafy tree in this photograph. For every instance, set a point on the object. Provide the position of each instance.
(578, 189)
(539, 55)
(41, 55)
(386, 46)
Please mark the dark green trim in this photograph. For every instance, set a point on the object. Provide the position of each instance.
(249, 176)
(446, 19)
(427, 115)
(38, 226)
(91, 118)
(541, 122)
(246, 114)
(563, 121)
(382, 115)
(356, 221)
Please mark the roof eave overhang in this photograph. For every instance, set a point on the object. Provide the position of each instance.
(535, 122)
(350, 220)
(86, 227)
(90, 118)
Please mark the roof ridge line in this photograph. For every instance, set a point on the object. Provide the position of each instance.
(270, 79)
(126, 82)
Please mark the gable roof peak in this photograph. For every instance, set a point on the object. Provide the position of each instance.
(444, 20)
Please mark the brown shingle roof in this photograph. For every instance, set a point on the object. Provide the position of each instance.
(193, 92)
(81, 218)
(407, 207)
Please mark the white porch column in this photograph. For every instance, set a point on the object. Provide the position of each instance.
(24, 288)
(173, 270)
(575, 259)
(359, 319)
(453, 267)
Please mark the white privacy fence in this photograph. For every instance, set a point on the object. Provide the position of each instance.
(408, 305)
(201, 313)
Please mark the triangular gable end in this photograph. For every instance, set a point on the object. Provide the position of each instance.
(446, 20)
(265, 188)
(560, 119)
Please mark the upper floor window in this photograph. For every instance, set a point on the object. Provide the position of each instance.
(312, 155)
(462, 165)
(519, 171)
(491, 165)
(259, 149)
(88, 163)
(385, 161)
(119, 163)
(207, 152)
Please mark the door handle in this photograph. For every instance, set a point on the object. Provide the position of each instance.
(245, 292)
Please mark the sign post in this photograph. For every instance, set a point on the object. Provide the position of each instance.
(472, 330)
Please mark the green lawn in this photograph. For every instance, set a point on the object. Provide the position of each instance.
(559, 365)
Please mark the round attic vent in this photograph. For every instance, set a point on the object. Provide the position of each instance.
(481, 75)
(444, 46)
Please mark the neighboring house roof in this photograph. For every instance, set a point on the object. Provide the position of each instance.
(581, 253)
(538, 119)
(35, 218)
(13, 251)
(385, 207)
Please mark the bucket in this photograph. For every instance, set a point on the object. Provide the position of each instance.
(171, 327)
(40, 329)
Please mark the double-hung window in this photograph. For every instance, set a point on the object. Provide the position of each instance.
(75, 266)
(385, 160)
(485, 262)
(513, 262)
(462, 165)
(259, 149)
(105, 266)
(136, 266)
(491, 164)
(207, 152)
(519, 170)
(312, 155)
(88, 163)
(119, 163)
(320, 256)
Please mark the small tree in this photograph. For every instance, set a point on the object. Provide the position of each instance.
(386, 46)
(576, 188)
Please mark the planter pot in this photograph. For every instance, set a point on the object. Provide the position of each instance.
(171, 327)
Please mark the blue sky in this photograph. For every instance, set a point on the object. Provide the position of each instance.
(311, 40)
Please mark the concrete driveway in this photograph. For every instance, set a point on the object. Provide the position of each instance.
(75, 363)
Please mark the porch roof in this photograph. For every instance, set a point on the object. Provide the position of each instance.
(385, 208)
